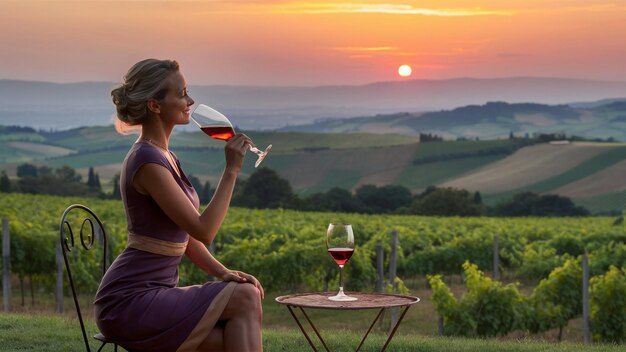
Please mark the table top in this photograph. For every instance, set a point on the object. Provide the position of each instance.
(364, 300)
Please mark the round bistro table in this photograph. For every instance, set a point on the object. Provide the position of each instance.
(320, 300)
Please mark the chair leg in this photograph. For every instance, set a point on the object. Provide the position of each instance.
(101, 346)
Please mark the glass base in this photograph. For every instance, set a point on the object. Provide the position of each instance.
(262, 155)
(342, 297)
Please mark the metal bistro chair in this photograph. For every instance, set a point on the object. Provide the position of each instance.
(87, 240)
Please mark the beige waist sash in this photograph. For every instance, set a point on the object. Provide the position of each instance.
(156, 246)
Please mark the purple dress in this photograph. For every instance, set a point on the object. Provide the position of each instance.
(138, 304)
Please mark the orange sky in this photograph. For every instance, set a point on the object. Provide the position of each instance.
(313, 42)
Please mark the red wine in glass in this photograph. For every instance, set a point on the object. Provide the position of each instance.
(217, 126)
(219, 132)
(340, 246)
(341, 255)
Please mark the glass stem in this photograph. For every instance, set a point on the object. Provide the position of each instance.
(341, 278)
(255, 150)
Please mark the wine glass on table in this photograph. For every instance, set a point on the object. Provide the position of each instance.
(217, 126)
(340, 245)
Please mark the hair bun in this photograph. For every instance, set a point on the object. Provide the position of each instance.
(145, 80)
(120, 100)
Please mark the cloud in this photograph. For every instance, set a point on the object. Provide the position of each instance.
(391, 9)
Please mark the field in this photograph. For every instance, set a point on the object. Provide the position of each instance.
(42, 331)
(529, 249)
(316, 162)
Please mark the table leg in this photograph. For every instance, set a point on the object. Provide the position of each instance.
(370, 329)
(394, 329)
(314, 329)
(302, 329)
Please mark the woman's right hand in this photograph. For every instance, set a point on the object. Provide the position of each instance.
(235, 150)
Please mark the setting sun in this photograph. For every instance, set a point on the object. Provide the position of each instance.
(404, 71)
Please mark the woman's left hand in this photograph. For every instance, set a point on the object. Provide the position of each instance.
(240, 276)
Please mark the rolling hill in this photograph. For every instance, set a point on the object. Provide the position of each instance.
(489, 121)
(590, 173)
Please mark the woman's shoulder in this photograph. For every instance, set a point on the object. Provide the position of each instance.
(142, 153)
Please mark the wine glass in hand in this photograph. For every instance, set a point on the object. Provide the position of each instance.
(217, 126)
(340, 245)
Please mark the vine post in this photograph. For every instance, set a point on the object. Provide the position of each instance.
(496, 258)
(6, 265)
(380, 259)
(585, 294)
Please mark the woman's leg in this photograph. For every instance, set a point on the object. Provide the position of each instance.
(243, 315)
(215, 341)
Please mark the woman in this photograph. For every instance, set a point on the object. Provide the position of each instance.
(138, 304)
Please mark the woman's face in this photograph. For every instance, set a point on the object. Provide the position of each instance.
(176, 106)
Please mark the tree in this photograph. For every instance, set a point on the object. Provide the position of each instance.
(25, 170)
(5, 183)
(266, 189)
(532, 204)
(338, 199)
(384, 199)
(98, 186)
(66, 173)
(115, 193)
(478, 199)
(93, 180)
(445, 202)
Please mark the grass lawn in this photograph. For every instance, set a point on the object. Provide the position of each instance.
(43, 332)
(38, 328)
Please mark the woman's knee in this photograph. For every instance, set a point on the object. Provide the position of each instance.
(246, 299)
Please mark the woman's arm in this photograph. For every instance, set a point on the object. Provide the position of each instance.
(202, 258)
(159, 183)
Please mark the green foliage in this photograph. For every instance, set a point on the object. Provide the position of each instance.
(557, 298)
(286, 250)
(5, 183)
(63, 181)
(608, 305)
(495, 308)
(539, 261)
(265, 189)
(26, 169)
(456, 321)
(383, 199)
(605, 255)
(445, 202)
(532, 204)
(487, 309)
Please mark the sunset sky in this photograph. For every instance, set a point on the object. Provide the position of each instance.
(306, 43)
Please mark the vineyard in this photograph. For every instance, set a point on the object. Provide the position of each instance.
(286, 251)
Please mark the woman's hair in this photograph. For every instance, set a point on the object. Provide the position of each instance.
(144, 81)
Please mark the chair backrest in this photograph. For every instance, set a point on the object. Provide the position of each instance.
(91, 235)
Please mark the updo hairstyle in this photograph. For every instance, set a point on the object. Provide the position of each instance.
(144, 81)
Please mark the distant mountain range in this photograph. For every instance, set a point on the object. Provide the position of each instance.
(61, 106)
